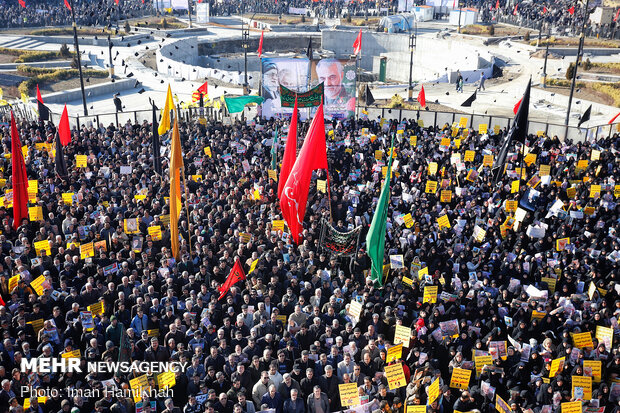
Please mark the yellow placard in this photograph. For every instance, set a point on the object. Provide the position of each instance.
(431, 187)
(463, 122)
(96, 309)
(378, 154)
(589, 210)
(443, 221)
(13, 282)
(585, 383)
(408, 220)
(43, 246)
(544, 170)
(272, 174)
(529, 159)
(139, 385)
(595, 155)
(75, 354)
(87, 250)
(446, 141)
(430, 294)
(277, 224)
(583, 340)
(550, 283)
(617, 191)
(481, 361)
(557, 365)
(571, 192)
(40, 400)
(469, 156)
(67, 198)
(155, 232)
(35, 213)
(402, 335)
(36, 324)
(446, 196)
(432, 168)
(166, 380)
(416, 408)
(457, 143)
(37, 284)
(582, 164)
(131, 226)
(413, 140)
(560, 244)
(501, 406)
(460, 378)
(433, 391)
(537, 315)
(394, 353)
(605, 335)
(511, 206)
(321, 185)
(483, 128)
(349, 396)
(395, 376)
(594, 367)
(153, 333)
(571, 407)
(407, 281)
(208, 152)
(80, 161)
(595, 191)
(487, 160)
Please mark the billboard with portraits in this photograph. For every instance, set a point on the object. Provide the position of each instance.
(338, 77)
(289, 72)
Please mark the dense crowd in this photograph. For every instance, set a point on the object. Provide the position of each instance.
(39, 13)
(510, 289)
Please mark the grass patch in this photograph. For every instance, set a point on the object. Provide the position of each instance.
(39, 75)
(610, 89)
(24, 56)
(574, 41)
(476, 29)
(160, 24)
(564, 82)
(68, 31)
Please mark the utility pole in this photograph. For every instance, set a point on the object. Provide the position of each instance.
(110, 64)
(579, 52)
(118, 14)
(189, 12)
(245, 34)
(460, 11)
(546, 56)
(77, 55)
(411, 47)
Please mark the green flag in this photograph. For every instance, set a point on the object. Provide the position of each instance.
(375, 239)
(236, 104)
(274, 151)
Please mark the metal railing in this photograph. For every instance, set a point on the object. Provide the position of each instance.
(428, 118)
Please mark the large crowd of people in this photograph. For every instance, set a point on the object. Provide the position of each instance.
(502, 291)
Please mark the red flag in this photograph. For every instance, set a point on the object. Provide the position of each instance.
(453, 4)
(290, 151)
(116, 1)
(22, 3)
(497, 5)
(64, 130)
(204, 89)
(260, 44)
(571, 11)
(2, 302)
(516, 108)
(357, 44)
(613, 119)
(67, 5)
(39, 98)
(514, 12)
(617, 13)
(236, 275)
(544, 9)
(313, 155)
(422, 97)
(19, 178)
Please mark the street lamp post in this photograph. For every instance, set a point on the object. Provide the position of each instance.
(411, 46)
(189, 12)
(110, 64)
(79, 60)
(546, 56)
(579, 52)
(245, 36)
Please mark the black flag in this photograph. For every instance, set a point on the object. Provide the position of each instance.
(61, 166)
(369, 98)
(155, 144)
(469, 100)
(44, 112)
(585, 117)
(309, 50)
(517, 132)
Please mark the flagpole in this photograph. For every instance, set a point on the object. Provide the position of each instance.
(79, 60)
(579, 50)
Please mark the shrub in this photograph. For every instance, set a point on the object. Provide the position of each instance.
(75, 63)
(492, 30)
(127, 27)
(587, 65)
(40, 75)
(396, 101)
(64, 50)
(526, 36)
(569, 71)
(610, 89)
(348, 19)
(164, 23)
